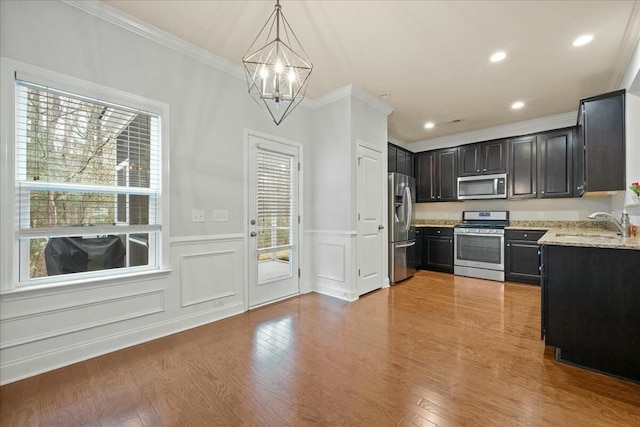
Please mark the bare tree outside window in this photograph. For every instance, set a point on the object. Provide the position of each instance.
(77, 151)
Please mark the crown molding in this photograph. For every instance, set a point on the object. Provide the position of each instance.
(115, 16)
(349, 91)
(343, 92)
(370, 100)
(627, 62)
(504, 131)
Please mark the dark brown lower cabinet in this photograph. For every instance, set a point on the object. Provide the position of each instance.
(591, 307)
(522, 256)
(437, 249)
(420, 258)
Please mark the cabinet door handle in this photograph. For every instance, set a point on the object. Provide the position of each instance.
(484, 170)
(508, 244)
(526, 235)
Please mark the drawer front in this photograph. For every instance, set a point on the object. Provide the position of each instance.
(438, 231)
(526, 235)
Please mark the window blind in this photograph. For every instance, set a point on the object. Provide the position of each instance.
(79, 160)
(84, 162)
(276, 213)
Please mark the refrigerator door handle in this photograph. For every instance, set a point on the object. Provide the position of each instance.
(405, 245)
(407, 197)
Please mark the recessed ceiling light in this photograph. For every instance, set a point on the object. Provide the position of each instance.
(517, 105)
(498, 56)
(384, 96)
(582, 40)
(429, 125)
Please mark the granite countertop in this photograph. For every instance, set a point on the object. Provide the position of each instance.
(594, 238)
(436, 222)
(519, 225)
(547, 225)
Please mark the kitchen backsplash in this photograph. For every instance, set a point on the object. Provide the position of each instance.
(519, 210)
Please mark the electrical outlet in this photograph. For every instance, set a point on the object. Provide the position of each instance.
(219, 215)
(197, 215)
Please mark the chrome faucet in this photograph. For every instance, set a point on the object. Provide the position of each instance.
(623, 225)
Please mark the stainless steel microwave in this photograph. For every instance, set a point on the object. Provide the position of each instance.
(482, 187)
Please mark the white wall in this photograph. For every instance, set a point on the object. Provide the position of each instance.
(633, 155)
(339, 121)
(209, 111)
(631, 82)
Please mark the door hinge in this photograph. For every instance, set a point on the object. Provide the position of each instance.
(358, 272)
(299, 273)
(298, 166)
(359, 158)
(358, 217)
(298, 219)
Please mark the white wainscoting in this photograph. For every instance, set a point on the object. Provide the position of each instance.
(42, 330)
(333, 263)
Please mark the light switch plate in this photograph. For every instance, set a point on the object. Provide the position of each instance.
(197, 215)
(219, 215)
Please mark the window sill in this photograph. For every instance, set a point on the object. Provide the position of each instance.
(85, 283)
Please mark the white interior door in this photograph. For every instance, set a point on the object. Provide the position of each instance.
(370, 187)
(273, 220)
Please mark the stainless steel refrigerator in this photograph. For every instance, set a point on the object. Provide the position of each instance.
(402, 236)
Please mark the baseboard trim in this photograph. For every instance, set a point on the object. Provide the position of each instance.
(334, 292)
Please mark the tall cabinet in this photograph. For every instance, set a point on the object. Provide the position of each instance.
(601, 129)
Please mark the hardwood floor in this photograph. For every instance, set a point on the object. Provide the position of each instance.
(437, 349)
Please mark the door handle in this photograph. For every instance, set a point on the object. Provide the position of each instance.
(406, 245)
(253, 234)
(381, 227)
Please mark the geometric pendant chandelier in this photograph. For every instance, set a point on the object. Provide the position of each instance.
(277, 67)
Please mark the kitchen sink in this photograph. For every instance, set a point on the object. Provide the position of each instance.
(600, 237)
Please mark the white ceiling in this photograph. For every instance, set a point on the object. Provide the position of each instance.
(432, 57)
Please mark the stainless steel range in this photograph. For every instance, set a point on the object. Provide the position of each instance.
(479, 244)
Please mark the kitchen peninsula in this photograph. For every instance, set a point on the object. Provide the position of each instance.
(591, 299)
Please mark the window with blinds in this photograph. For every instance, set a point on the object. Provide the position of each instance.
(87, 185)
(276, 213)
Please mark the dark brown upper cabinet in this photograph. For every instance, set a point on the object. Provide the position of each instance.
(392, 156)
(447, 175)
(555, 152)
(484, 158)
(425, 166)
(601, 129)
(542, 165)
(437, 175)
(400, 160)
(522, 168)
